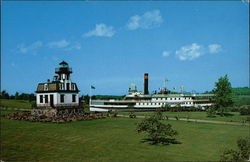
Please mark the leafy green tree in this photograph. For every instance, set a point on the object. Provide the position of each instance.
(159, 112)
(157, 132)
(223, 94)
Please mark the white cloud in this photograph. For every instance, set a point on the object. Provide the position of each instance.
(65, 45)
(22, 48)
(214, 48)
(59, 44)
(148, 20)
(134, 22)
(74, 46)
(101, 30)
(189, 52)
(165, 53)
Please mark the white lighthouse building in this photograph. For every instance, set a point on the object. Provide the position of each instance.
(60, 93)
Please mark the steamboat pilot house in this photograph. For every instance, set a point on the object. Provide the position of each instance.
(59, 93)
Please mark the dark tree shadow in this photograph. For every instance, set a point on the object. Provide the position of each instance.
(163, 141)
(211, 116)
(225, 114)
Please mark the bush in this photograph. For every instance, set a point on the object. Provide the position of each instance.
(244, 146)
(211, 112)
(230, 156)
(245, 110)
(33, 104)
(242, 154)
(111, 114)
(132, 115)
(235, 109)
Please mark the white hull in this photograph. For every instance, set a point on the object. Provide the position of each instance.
(152, 102)
(98, 109)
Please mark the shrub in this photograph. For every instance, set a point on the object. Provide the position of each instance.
(245, 110)
(33, 104)
(132, 115)
(211, 111)
(230, 156)
(244, 146)
(242, 154)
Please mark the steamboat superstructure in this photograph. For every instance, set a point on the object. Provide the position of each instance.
(138, 101)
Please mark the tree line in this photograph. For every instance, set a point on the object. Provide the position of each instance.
(18, 96)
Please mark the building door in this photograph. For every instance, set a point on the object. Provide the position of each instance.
(51, 100)
(67, 86)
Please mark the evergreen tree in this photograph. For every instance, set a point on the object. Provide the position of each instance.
(223, 94)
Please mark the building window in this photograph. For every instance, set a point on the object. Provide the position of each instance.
(72, 87)
(62, 98)
(45, 87)
(41, 98)
(46, 99)
(61, 86)
(67, 86)
(73, 98)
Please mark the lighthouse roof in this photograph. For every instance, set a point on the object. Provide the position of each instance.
(54, 87)
(63, 63)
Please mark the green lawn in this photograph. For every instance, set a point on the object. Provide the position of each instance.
(22, 104)
(112, 139)
(231, 117)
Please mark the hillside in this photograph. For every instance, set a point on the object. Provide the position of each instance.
(241, 91)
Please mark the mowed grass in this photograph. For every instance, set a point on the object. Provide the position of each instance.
(112, 139)
(230, 116)
(21, 104)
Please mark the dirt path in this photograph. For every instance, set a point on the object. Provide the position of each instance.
(195, 120)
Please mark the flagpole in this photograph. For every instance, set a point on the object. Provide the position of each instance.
(90, 96)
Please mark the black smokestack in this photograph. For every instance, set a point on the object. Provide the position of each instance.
(146, 83)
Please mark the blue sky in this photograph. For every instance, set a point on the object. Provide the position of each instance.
(112, 44)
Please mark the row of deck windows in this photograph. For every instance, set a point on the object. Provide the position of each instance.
(162, 103)
(185, 98)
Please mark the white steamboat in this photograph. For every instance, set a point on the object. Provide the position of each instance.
(137, 101)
